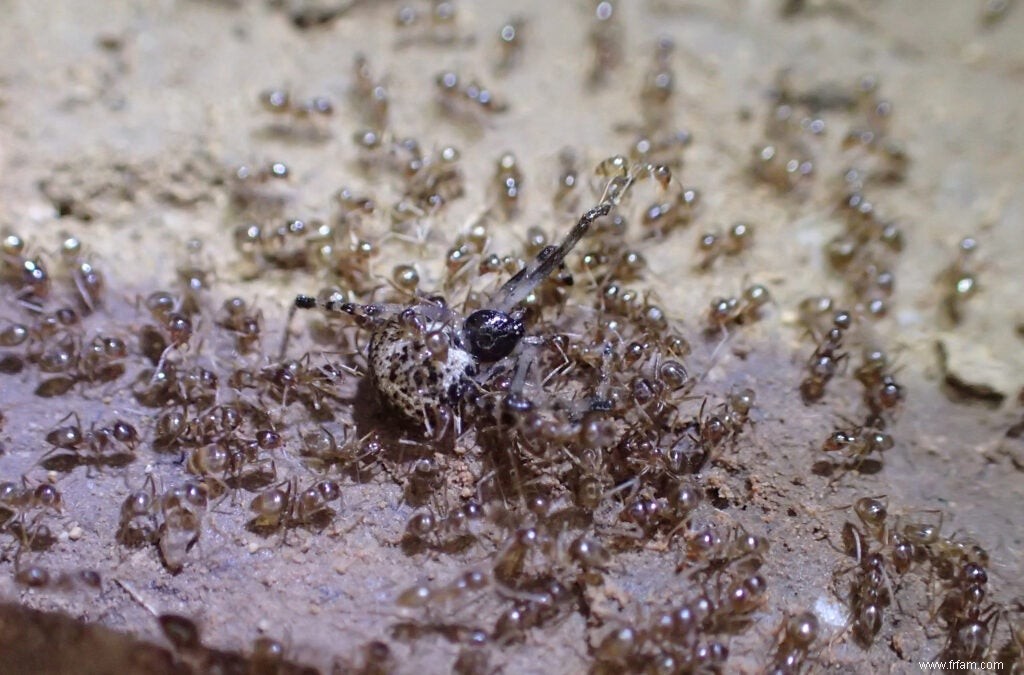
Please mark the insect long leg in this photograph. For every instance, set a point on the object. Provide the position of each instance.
(522, 284)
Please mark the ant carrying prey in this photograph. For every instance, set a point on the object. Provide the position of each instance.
(426, 358)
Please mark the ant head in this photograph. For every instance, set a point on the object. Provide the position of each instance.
(491, 334)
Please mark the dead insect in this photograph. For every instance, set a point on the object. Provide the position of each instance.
(426, 358)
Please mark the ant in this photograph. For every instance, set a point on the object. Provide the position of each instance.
(713, 245)
(111, 446)
(22, 509)
(793, 643)
(368, 94)
(510, 43)
(725, 312)
(825, 361)
(301, 116)
(138, 521)
(89, 281)
(869, 596)
(181, 509)
(881, 390)
(285, 505)
(858, 443)
(426, 358)
(508, 183)
(456, 531)
(466, 100)
(606, 40)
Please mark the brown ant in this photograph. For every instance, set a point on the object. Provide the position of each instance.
(870, 589)
(508, 181)
(1013, 651)
(422, 595)
(260, 190)
(785, 165)
(439, 28)
(510, 43)
(431, 182)
(664, 216)
(712, 245)
(726, 312)
(793, 643)
(35, 576)
(23, 507)
(26, 274)
(302, 381)
(903, 547)
(873, 513)
(869, 597)
(88, 281)
(826, 359)
(181, 512)
(537, 603)
(285, 505)
(969, 631)
(243, 323)
(882, 393)
(466, 100)
(452, 533)
(814, 312)
(606, 40)
(369, 95)
(959, 280)
(717, 551)
(303, 116)
(858, 443)
(102, 360)
(566, 195)
(138, 523)
(659, 85)
(113, 445)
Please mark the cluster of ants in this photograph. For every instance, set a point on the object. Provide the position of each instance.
(55, 343)
(573, 385)
(864, 254)
(882, 394)
(569, 391)
(888, 549)
(23, 512)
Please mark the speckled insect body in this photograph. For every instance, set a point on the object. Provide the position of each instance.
(414, 379)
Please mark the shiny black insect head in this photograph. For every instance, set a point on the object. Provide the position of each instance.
(492, 335)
